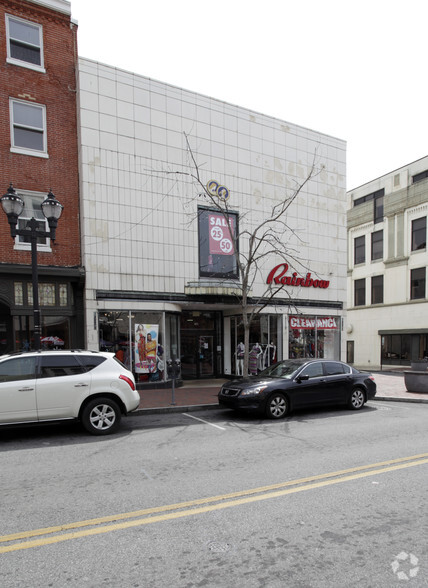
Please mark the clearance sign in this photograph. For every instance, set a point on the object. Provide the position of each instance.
(321, 322)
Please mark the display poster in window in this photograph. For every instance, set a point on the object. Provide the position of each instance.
(146, 343)
(221, 242)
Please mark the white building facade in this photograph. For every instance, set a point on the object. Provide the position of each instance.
(387, 305)
(153, 269)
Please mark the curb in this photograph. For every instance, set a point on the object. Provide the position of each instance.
(392, 399)
(171, 408)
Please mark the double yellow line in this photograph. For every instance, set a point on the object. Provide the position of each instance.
(76, 530)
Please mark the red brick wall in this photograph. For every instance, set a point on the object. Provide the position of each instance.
(56, 89)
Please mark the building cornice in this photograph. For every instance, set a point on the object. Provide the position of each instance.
(58, 5)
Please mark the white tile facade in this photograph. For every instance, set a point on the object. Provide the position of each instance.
(139, 229)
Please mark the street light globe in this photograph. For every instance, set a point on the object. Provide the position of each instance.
(12, 203)
(51, 208)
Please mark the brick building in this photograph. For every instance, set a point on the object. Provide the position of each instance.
(39, 153)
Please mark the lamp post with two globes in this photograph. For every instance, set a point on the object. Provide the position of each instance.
(13, 206)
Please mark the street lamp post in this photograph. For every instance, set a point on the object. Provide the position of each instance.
(13, 206)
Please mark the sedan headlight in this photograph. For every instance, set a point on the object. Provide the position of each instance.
(253, 391)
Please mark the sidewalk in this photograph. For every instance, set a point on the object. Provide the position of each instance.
(197, 394)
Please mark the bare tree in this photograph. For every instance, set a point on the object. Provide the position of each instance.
(263, 240)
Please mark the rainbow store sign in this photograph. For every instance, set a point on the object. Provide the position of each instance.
(277, 276)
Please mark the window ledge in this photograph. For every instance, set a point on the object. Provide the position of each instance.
(26, 64)
(27, 247)
(29, 152)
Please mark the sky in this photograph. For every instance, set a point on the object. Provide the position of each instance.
(355, 70)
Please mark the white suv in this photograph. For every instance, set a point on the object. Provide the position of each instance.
(91, 386)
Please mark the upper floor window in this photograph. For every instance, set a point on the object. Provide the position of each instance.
(32, 209)
(216, 248)
(28, 128)
(420, 177)
(417, 283)
(359, 250)
(377, 245)
(360, 292)
(24, 43)
(377, 289)
(378, 206)
(419, 233)
(377, 198)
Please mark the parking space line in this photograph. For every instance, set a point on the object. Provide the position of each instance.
(202, 421)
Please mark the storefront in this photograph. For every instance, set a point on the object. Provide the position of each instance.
(399, 348)
(209, 343)
(61, 306)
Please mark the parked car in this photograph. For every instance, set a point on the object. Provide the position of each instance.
(299, 383)
(90, 386)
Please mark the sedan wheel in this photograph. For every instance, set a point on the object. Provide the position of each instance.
(277, 406)
(101, 416)
(357, 399)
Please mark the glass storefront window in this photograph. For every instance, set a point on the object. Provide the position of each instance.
(314, 336)
(264, 341)
(139, 341)
(402, 349)
(55, 332)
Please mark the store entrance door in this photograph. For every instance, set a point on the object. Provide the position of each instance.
(197, 355)
(198, 345)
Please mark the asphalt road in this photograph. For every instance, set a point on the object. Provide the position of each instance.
(329, 498)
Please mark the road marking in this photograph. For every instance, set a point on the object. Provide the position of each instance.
(202, 421)
(203, 505)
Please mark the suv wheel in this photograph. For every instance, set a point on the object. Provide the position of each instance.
(101, 416)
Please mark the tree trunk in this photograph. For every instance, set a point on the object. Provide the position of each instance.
(247, 346)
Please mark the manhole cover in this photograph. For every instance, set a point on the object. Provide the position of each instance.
(218, 547)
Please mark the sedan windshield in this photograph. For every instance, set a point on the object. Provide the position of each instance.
(285, 369)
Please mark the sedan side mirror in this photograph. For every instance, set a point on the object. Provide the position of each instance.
(302, 378)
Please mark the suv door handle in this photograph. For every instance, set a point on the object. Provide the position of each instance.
(25, 389)
(80, 385)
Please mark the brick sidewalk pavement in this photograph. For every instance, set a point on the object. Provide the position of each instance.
(200, 393)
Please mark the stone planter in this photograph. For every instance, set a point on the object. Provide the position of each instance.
(416, 381)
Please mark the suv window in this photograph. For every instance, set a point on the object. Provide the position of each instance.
(91, 361)
(18, 368)
(313, 370)
(60, 365)
(333, 368)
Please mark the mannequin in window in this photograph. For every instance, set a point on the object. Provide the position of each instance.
(240, 351)
(253, 359)
(269, 354)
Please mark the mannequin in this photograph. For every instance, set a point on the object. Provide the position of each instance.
(253, 359)
(269, 354)
(240, 351)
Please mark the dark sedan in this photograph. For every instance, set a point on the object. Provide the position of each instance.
(299, 383)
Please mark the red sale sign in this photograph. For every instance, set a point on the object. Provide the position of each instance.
(220, 238)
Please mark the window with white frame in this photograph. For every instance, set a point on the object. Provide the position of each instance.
(32, 209)
(28, 127)
(24, 43)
